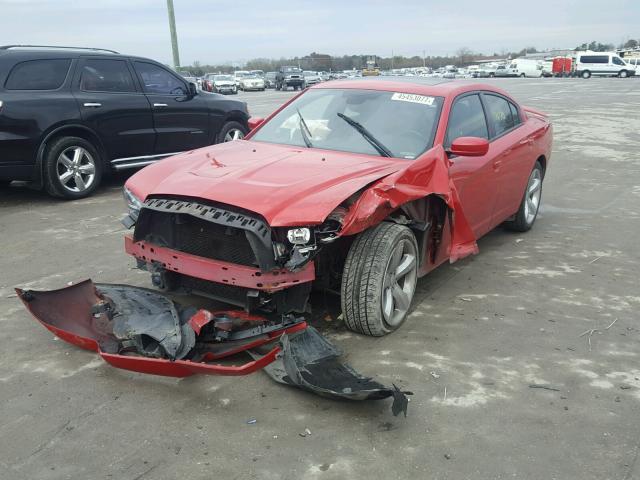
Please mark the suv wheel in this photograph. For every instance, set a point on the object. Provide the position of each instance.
(72, 168)
(232, 131)
(379, 279)
(586, 74)
(623, 74)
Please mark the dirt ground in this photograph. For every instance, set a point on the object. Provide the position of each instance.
(483, 334)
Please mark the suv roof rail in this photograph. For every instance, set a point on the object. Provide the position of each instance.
(8, 47)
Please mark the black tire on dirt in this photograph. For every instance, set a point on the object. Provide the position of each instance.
(54, 169)
(524, 219)
(366, 277)
(228, 127)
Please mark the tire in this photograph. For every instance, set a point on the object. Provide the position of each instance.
(522, 75)
(369, 277)
(623, 74)
(232, 131)
(586, 74)
(72, 168)
(525, 218)
(491, 75)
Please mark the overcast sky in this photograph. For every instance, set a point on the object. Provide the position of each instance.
(238, 30)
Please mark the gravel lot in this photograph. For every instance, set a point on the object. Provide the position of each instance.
(489, 327)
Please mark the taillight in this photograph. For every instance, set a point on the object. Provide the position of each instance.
(0, 104)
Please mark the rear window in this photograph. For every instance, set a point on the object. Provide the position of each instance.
(38, 74)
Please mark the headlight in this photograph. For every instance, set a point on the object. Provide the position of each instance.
(299, 236)
(134, 204)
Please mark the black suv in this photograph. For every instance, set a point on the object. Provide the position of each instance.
(289, 77)
(68, 115)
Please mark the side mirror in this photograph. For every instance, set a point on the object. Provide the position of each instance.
(255, 122)
(193, 90)
(469, 146)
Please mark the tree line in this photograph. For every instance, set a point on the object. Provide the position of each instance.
(323, 62)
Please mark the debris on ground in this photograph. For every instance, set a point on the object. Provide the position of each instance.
(144, 331)
(599, 331)
(545, 387)
(306, 433)
(252, 421)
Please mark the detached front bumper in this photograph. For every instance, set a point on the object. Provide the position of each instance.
(144, 331)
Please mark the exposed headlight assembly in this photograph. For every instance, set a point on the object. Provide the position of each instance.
(134, 204)
(299, 236)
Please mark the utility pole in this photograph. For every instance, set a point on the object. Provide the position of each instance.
(174, 36)
(391, 59)
(424, 60)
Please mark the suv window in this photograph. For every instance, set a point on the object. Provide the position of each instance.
(38, 74)
(499, 113)
(617, 61)
(158, 80)
(106, 76)
(467, 119)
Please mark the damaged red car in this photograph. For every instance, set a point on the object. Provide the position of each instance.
(355, 187)
(358, 187)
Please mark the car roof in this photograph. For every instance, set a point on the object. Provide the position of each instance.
(43, 51)
(439, 87)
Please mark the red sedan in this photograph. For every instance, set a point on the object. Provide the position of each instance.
(356, 186)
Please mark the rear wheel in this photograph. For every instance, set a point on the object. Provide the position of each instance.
(528, 211)
(232, 131)
(379, 279)
(586, 74)
(522, 75)
(72, 168)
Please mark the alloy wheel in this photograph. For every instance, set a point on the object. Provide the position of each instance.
(76, 169)
(532, 196)
(234, 134)
(399, 282)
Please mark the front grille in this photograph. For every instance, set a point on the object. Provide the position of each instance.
(196, 236)
(206, 239)
(206, 230)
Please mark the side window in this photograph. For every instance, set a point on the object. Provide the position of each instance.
(499, 113)
(158, 80)
(106, 76)
(617, 61)
(38, 74)
(466, 119)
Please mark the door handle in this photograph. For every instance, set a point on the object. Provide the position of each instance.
(159, 105)
(526, 141)
(92, 105)
(496, 164)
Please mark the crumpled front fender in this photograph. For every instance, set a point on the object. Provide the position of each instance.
(428, 175)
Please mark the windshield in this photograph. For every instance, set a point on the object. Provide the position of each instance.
(223, 78)
(404, 124)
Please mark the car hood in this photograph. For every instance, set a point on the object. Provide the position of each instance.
(286, 185)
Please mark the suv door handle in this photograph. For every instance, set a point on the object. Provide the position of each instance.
(160, 105)
(92, 105)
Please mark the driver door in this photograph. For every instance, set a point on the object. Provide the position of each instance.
(181, 120)
(474, 177)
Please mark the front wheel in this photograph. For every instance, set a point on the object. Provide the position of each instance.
(379, 279)
(72, 168)
(528, 211)
(232, 131)
(623, 74)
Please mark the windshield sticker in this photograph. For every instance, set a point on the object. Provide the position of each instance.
(410, 97)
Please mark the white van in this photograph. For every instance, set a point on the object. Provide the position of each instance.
(602, 63)
(526, 67)
(633, 62)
